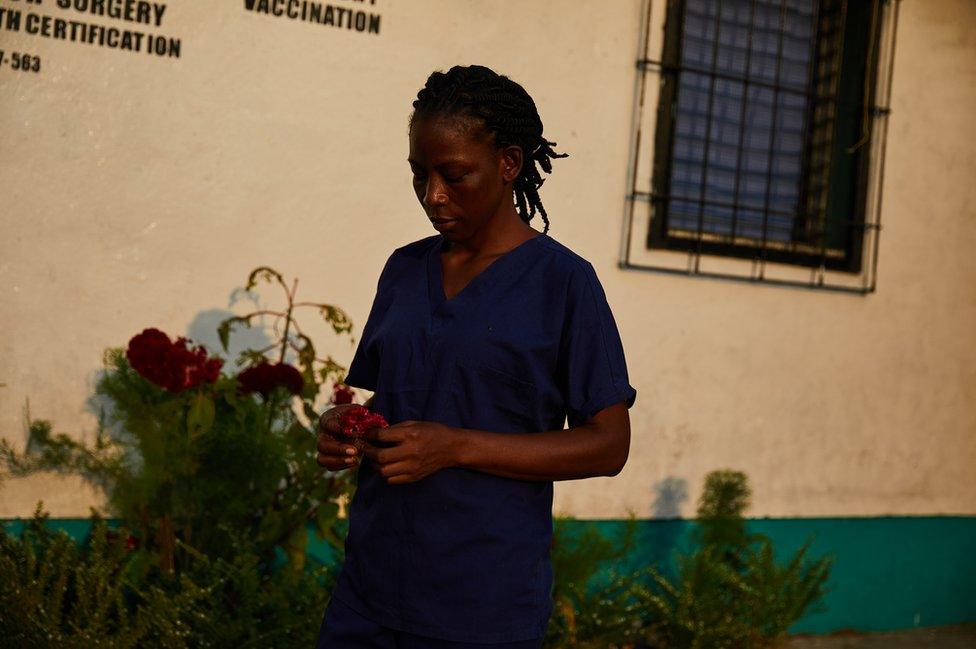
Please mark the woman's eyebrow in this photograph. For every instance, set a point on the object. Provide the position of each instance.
(449, 161)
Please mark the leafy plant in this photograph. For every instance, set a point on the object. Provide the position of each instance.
(55, 592)
(590, 612)
(731, 593)
(215, 476)
(193, 453)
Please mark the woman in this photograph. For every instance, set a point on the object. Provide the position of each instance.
(481, 341)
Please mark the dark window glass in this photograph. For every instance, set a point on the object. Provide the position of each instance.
(763, 118)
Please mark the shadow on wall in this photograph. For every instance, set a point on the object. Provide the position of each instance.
(658, 538)
(671, 493)
(203, 329)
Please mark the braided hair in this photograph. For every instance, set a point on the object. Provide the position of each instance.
(507, 111)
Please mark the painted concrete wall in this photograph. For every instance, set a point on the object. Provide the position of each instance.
(139, 190)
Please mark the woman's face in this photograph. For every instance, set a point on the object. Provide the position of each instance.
(459, 176)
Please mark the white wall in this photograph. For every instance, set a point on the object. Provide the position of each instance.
(139, 191)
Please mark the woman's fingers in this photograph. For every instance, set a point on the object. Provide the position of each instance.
(329, 421)
(333, 450)
(334, 454)
(329, 445)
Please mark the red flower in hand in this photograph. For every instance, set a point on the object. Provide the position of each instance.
(355, 421)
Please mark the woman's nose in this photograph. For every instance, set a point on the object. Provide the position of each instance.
(434, 194)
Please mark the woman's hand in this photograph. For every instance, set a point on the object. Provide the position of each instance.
(418, 449)
(332, 444)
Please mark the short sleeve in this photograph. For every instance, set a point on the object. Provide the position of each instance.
(365, 365)
(592, 371)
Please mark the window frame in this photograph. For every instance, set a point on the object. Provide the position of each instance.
(860, 245)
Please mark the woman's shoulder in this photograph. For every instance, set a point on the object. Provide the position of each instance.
(562, 253)
(410, 253)
(403, 263)
(565, 263)
(416, 249)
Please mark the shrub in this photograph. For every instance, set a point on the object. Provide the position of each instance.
(55, 592)
(730, 593)
(214, 475)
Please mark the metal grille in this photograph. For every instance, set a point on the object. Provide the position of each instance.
(768, 141)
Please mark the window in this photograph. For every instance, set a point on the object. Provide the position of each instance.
(767, 138)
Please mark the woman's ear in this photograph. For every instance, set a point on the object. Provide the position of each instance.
(511, 163)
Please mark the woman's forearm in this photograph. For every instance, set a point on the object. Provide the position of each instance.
(582, 452)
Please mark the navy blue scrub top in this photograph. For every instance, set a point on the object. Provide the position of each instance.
(530, 342)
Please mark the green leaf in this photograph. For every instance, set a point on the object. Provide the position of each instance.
(336, 317)
(312, 415)
(266, 273)
(310, 389)
(306, 355)
(231, 397)
(223, 329)
(200, 418)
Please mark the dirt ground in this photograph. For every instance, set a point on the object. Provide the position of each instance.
(955, 636)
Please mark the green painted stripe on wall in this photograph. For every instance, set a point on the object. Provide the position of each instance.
(890, 573)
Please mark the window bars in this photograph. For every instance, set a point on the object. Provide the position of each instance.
(768, 148)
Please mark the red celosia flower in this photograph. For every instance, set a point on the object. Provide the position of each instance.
(356, 420)
(264, 377)
(171, 365)
(341, 394)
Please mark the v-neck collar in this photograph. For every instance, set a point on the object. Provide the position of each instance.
(477, 283)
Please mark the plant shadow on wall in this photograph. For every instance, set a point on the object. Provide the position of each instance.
(211, 479)
(659, 542)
